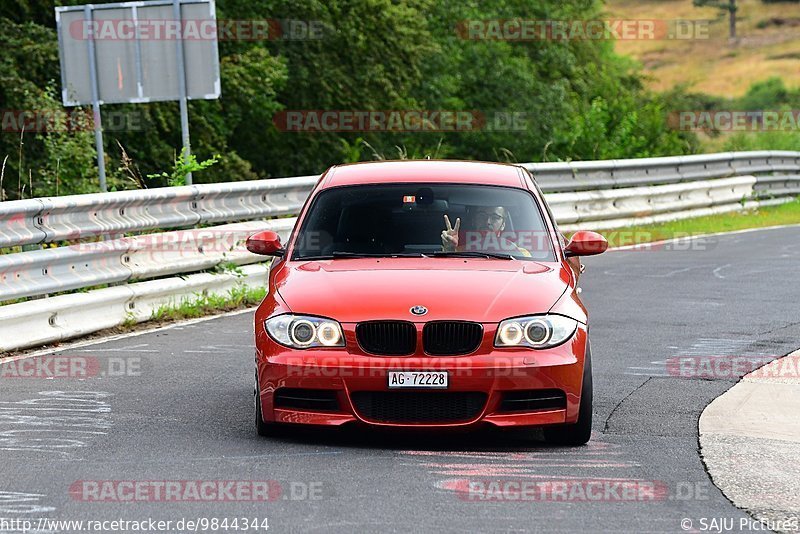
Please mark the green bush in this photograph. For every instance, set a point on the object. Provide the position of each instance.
(764, 141)
(771, 94)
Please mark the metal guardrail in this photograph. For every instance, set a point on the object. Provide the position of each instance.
(613, 208)
(588, 194)
(128, 259)
(46, 220)
(612, 174)
(30, 324)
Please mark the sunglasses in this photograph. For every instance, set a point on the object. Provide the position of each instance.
(494, 217)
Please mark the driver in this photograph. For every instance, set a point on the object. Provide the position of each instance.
(488, 225)
(485, 221)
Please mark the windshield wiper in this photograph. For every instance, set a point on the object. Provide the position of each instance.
(471, 254)
(341, 254)
(313, 258)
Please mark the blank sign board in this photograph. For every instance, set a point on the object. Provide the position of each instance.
(135, 51)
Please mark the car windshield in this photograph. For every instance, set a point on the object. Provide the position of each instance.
(436, 220)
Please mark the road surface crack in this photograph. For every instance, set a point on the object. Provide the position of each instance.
(613, 411)
(772, 330)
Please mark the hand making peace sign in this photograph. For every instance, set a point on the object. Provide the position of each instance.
(450, 234)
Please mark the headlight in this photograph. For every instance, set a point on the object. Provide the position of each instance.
(303, 332)
(536, 331)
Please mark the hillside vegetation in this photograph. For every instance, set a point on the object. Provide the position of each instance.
(768, 46)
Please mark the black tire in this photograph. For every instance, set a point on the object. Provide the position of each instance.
(580, 432)
(262, 428)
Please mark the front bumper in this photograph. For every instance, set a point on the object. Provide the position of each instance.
(490, 371)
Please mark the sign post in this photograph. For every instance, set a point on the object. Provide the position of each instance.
(176, 10)
(124, 53)
(96, 119)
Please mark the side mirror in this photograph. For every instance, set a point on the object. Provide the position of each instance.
(585, 243)
(266, 243)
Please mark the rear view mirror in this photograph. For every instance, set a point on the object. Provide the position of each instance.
(585, 243)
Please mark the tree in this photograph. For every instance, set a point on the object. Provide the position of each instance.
(729, 6)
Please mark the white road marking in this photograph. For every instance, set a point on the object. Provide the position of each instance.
(133, 348)
(677, 271)
(703, 347)
(55, 434)
(716, 271)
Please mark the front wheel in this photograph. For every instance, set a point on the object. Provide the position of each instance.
(580, 432)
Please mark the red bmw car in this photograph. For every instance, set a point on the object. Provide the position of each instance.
(425, 294)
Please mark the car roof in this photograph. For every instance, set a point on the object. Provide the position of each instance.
(433, 171)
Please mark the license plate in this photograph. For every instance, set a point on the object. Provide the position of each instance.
(418, 379)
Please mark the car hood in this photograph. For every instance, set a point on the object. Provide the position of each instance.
(353, 290)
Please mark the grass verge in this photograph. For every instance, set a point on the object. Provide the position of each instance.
(201, 305)
(788, 213)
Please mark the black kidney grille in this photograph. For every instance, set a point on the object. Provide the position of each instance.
(533, 400)
(451, 338)
(419, 406)
(387, 338)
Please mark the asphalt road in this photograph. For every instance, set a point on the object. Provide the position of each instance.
(185, 414)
